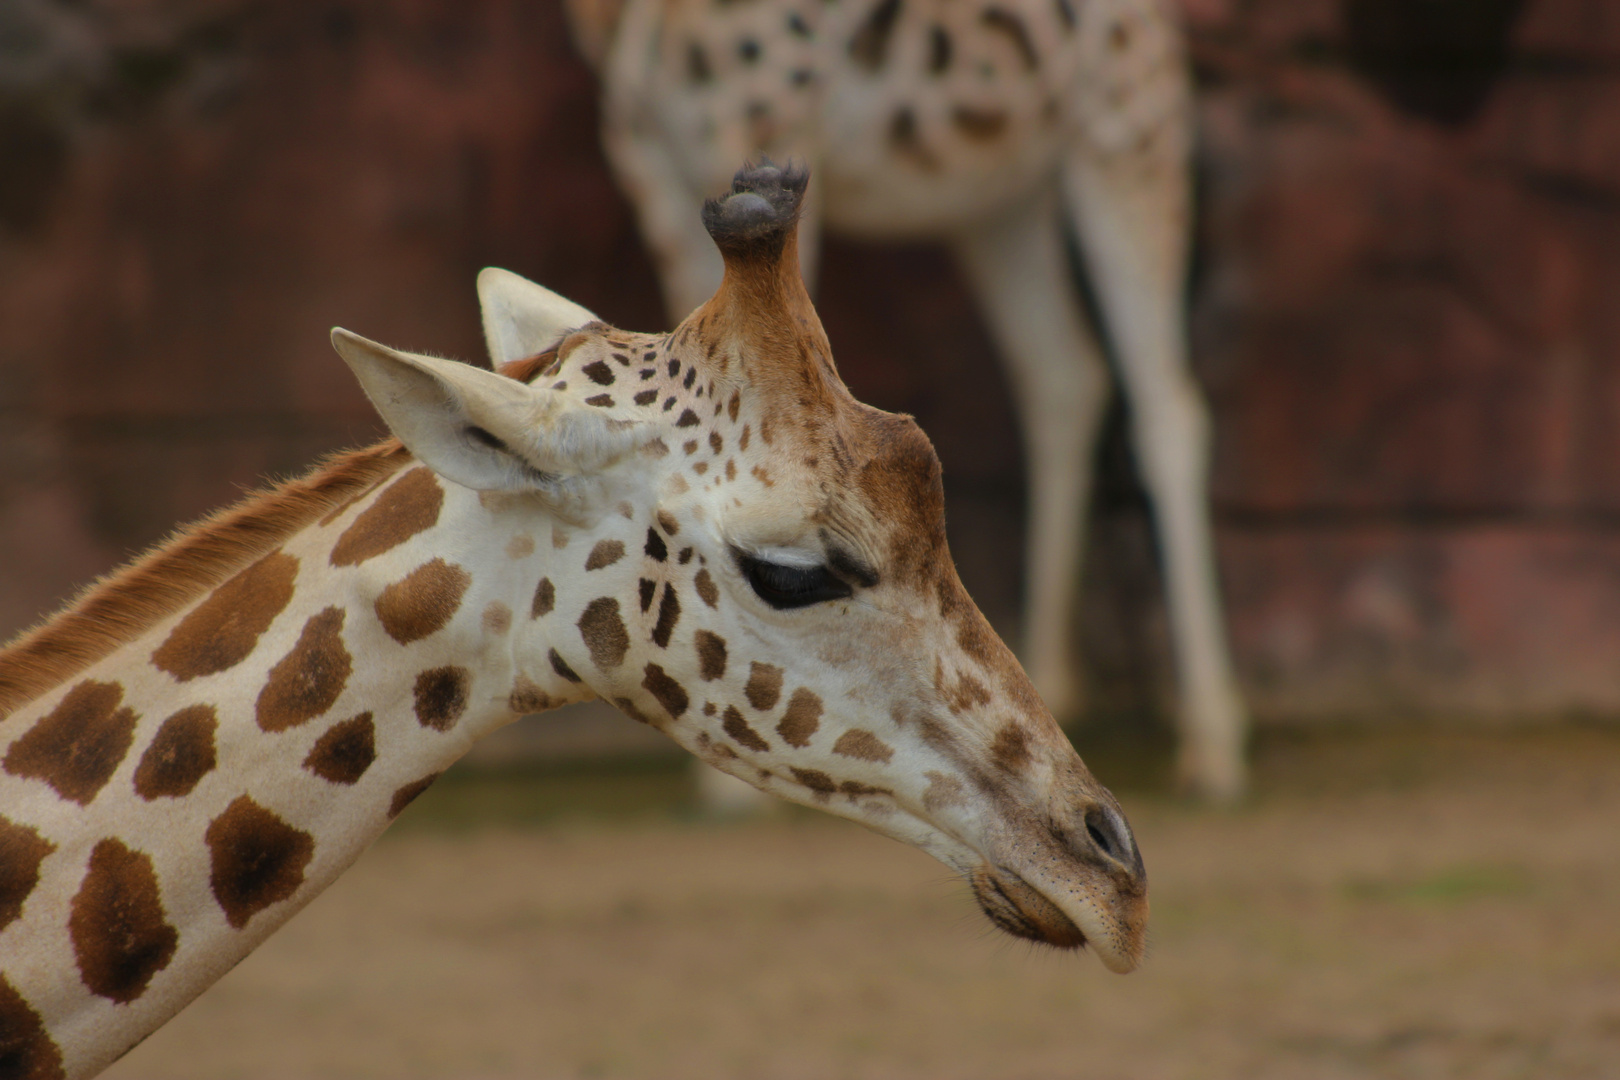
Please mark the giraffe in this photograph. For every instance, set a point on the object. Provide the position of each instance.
(987, 125)
(703, 528)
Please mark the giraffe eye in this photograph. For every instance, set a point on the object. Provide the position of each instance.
(783, 586)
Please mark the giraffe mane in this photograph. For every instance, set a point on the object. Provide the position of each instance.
(120, 606)
(194, 560)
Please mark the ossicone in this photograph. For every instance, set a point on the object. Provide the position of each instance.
(760, 212)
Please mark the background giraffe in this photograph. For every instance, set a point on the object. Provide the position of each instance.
(703, 528)
(985, 125)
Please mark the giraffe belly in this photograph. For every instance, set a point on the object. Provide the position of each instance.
(866, 195)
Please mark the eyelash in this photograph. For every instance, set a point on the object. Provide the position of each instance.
(786, 587)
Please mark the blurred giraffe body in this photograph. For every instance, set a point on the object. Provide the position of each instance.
(703, 528)
(988, 125)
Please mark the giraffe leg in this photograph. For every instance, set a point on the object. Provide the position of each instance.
(1016, 266)
(1131, 211)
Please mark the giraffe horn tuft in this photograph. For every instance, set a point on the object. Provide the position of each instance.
(760, 212)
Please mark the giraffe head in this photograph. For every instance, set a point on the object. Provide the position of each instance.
(754, 562)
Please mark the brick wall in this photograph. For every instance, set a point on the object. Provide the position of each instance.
(1404, 311)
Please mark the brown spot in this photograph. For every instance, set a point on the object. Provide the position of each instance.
(981, 124)
(733, 405)
(762, 475)
(257, 859)
(670, 694)
(345, 752)
(441, 696)
(1010, 25)
(705, 588)
(545, 598)
(21, 851)
(939, 49)
(599, 373)
(701, 468)
(520, 546)
(968, 693)
(737, 727)
(684, 557)
(1010, 751)
(497, 618)
(408, 793)
(121, 937)
(648, 589)
(870, 45)
(669, 613)
(907, 142)
(677, 485)
(688, 418)
(655, 547)
(307, 681)
(406, 507)
(343, 507)
(856, 788)
(601, 401)
(864, 745)
(528, 697)
(603, 632)
(742, 443)
(220, 632)
(716, 444)
(942, 791)
(628, 707)
(764, 685)
(559, 538)
(423, 602)
(977, 640)
(667, 522)
(801, 718)
(815, 780)
(646, 397)
(79, 745)
(560, 666)
(731, 469)
(937, 735)
(179, 755)
(605, 553)
(655, 448)
(711, 650)
(26, 1049)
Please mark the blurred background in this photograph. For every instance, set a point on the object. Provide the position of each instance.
(1406, 313)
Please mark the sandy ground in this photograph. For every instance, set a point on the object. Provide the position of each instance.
(1418, 906)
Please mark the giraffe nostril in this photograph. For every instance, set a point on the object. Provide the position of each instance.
(1110, 834)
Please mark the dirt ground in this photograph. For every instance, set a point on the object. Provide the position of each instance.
(1430, 905)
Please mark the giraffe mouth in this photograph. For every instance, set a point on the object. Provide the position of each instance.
(1021, 911)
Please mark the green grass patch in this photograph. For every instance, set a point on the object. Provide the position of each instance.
(1454, 885)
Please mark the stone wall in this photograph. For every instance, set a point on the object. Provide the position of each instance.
(1404, 311)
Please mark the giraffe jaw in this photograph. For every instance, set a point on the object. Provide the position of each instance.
(1009, 902)
(1052, 898)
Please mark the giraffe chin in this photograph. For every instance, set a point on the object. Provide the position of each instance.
(1022, 911)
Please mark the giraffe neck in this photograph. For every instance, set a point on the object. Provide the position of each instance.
(172, 802)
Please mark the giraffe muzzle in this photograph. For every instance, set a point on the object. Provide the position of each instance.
(1009, 902)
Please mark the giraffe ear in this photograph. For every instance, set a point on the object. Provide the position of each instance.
(522, 318)
(481, 429)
